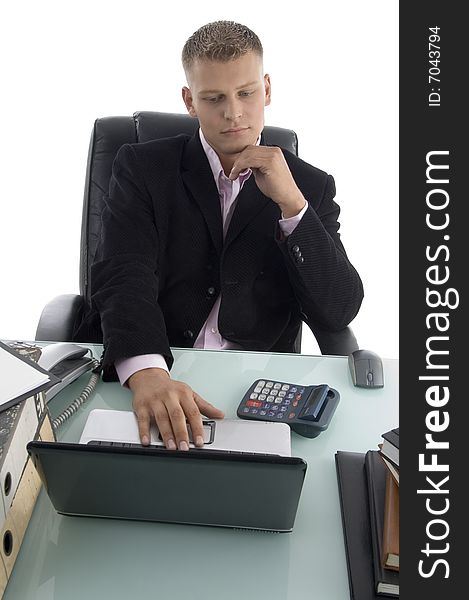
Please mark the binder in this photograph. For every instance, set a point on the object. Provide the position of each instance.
(386, 581)
(22, 419)
(23, 483)
(391, 524)
(18, 425)
(353, 494)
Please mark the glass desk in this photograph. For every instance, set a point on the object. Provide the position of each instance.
(73, 558)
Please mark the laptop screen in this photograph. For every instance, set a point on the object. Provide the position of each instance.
(204, 487)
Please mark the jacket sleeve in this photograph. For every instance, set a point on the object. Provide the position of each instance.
(326, 285)
(124, 276)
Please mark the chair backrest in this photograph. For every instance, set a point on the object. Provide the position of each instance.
(108, 135)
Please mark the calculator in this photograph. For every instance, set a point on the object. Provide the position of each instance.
(307, 409)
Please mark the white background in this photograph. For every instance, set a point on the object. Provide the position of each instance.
(334, 73)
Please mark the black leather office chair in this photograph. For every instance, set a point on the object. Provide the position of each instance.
(61, 316)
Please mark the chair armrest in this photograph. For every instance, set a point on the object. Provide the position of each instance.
(59, 318)
(340, 343)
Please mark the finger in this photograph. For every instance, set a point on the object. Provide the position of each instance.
(208, 409)
(164, 427)
(194, 418)
(143, 422)
(242, 162)
(258, 164)
(255, 157)
(178, 424)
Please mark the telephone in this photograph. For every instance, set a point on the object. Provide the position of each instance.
(68, 361)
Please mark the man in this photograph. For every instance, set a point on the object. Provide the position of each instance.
(215, 241)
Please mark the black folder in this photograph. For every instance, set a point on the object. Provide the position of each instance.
(386, 581)
(353, 493)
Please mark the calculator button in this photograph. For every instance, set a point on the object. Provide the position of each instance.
(278, 400)
(261, 383)
(274, 392)
(245, 410)
(266, 406)
(286, 401)
(291, 415)
(293, 389)
(282, 394)
(285, 387)
(258, 389)
(254, 403)
(253, 396)
(270, 399)
(271, 414)
(262, 397)
(290, 396)
(277, 386)
(254, 411)
(283, 409)
(274, 407)
(262, 412)
(266, 390)
(280, 415)
(295, 402)
(269, 384)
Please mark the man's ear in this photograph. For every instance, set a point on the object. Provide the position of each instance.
(268, 90)
(187, 97)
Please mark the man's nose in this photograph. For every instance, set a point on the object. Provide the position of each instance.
(233, 110)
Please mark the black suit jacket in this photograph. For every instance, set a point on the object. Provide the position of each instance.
(162, 261)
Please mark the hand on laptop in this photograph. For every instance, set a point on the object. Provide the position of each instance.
(170, 403)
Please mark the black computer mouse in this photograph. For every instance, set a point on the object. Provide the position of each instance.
(366, 369)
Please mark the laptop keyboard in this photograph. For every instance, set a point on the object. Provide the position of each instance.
(128, 445)
(119, 444)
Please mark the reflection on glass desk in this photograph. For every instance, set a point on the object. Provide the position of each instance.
(73, 558)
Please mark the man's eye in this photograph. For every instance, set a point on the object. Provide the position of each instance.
(245, 93)
(212, 99)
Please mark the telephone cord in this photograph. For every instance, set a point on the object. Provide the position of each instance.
(75, 405)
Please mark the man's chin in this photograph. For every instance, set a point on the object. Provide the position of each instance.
(236, 147)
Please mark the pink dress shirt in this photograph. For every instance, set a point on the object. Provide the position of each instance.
(209, 336)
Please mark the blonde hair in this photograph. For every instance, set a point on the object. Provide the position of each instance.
(220, 41)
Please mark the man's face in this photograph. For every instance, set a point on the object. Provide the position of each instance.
(228, 98)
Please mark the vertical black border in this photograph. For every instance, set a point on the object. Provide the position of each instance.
(426, 127)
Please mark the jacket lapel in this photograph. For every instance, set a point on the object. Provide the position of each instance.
(198, 178)
(249, 203)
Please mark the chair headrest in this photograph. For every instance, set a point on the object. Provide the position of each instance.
(154, 125)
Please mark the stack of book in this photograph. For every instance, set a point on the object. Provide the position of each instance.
(369, 498)
(26, 420)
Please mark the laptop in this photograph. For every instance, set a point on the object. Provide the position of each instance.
(223, 488)
(121, 427)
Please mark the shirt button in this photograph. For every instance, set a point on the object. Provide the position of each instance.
(188, 334)
(211, 292)
(214, 330)
(300, 259)
(296, 249)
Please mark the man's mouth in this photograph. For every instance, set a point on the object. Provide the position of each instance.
(234, 130)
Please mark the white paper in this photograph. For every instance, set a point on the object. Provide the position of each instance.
(17, 377)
